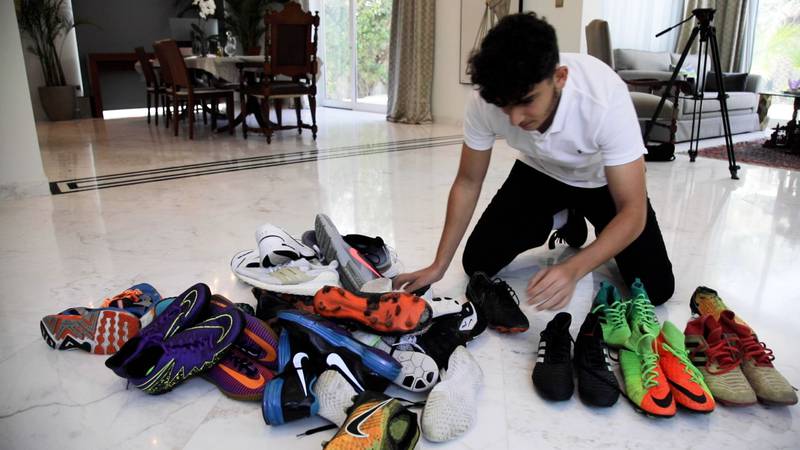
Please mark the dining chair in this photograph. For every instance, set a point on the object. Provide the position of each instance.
(182, 90)
(155, 88)
(290, 67)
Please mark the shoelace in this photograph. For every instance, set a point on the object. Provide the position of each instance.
(132, 295)
(613, 314)
(752, 348)
(649, 364)
(502, 288)
(645, 311)
(688, 367)
(725, 353)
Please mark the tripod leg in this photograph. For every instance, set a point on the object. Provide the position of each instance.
(668, 89)
(699, 94)
(723, 104)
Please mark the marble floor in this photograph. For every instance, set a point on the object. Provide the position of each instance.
(740, 237)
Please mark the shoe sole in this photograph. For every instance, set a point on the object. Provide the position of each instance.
(764, 401)
(424, 370)
(392, 313)
(271, 408)
(308, 288)
(386, 367)
(353, 268)
(101, 332)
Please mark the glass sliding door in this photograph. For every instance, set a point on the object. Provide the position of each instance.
(355, 53)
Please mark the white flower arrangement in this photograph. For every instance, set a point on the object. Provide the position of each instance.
(207, 7)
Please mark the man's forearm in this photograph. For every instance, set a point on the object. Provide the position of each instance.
(460, 207)
(623, 229)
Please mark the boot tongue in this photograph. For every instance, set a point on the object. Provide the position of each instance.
(728, 321)
(673, 335)
(645, 344)
(713, 330)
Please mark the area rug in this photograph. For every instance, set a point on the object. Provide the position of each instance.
(753, 152)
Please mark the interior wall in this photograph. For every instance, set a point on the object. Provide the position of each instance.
(449, 96)
(119, 26)
(21, 171)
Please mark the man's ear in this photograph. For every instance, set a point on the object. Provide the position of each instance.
(560, 76)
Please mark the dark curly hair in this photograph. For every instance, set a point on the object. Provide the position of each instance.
(519, 52)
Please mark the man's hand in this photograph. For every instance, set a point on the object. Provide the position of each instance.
(418, 279)
(552, 287)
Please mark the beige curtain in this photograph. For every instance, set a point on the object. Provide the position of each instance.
(411, 61)
(733, 30)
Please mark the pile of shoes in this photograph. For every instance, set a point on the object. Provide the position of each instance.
(736, 365)
(345, 335)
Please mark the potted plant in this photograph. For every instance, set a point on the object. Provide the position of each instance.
(245, 19)
(196, 29)
(45, 23)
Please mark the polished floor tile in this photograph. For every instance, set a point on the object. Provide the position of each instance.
(740, 237)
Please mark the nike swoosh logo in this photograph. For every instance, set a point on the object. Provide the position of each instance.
(335, 360)
(357, 256)
(189, 300)
(354, 426)
(269, 351)
(663, 402)
(244, 380)
(297, 362)
(694, 397)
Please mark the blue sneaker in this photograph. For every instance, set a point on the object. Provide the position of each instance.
(309, 345)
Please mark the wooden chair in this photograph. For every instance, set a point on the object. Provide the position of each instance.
(290, 45)
(173, 68)
(154, 86)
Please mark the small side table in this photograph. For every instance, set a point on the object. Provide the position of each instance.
(787, 136)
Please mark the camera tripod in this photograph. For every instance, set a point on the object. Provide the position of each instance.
(708, 38)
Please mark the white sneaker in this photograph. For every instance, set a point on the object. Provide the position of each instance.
(334, 396)
(419, 371)
(299, 277)
(451, 407)
(276, 247)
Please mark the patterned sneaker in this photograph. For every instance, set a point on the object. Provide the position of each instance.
(597, 384)
(611, 309)
(769, 385)
(498, 302)
(685, 380)
(156, 366)
(641, 313)
(552, 374)
(376, 421)
(136, 300)
(390, 313)
(102, 331)
(354, 269)
(452, 407)
(276, 247)
(373, 249)
(290, 395)
(719, 360)
(239, 377)
(707, 302)
(645, 383)
(257, 340)
(299, 277)
(179, 313)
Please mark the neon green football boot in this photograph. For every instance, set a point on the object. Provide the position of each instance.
(611, 309)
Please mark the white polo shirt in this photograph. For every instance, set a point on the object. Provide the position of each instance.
(595, 126)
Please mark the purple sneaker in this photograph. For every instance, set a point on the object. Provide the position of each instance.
(159, 366)
(258, 340)
(181, 313)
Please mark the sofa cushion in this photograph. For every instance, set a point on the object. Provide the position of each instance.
(737, 101)
(628, 59)
(733, 82)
